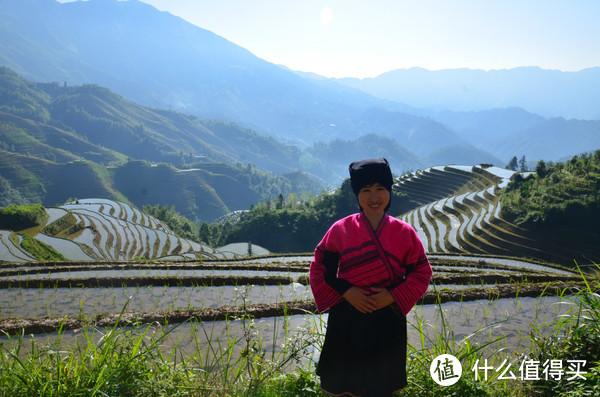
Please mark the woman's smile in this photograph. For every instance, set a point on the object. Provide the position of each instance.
(373, 199)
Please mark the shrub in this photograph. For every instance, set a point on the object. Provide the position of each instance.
(40, 250)
(19, 217)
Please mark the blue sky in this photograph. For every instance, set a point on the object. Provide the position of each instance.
(360, 38)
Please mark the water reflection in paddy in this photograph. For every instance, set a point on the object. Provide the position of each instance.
(42, 302)
(511, 320)
(27, 303)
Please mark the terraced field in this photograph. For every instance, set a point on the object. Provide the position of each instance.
(38, 296)
(460, 213)
(475, 254)
(101, 230)
(219, 302)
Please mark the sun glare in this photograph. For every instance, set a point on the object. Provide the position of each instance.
(326, 15)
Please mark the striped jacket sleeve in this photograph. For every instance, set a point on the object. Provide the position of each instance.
(327, 289)
(407, 293)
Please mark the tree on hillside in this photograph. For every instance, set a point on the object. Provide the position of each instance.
(523, 164)
(540, 168)
(513, 164)
(563, 194)
(298, 227)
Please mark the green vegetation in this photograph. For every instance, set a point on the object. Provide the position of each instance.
(576, 336)
(10, 195)
(20, 98)
(206, 191)
(40, 250)
(297, 224)
(19, 217)
(565, 194)
(178, 223)
(129, 360)
(65, 226)
(58, 141)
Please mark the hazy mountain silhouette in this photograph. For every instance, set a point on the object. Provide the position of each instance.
(157, 59)
(550, 93)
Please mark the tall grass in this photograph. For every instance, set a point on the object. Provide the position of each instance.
(133, 360)
(575, 336)
(435, 342)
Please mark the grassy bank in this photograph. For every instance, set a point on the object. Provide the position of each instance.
(133, 360)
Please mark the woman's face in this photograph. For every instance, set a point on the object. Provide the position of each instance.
(373, 199)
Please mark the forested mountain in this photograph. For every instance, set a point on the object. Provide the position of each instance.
(110, 121)
(93, 123)
(60, 142)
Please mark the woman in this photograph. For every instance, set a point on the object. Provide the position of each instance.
(368, 271)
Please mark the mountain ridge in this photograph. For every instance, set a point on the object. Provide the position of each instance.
(547, 92)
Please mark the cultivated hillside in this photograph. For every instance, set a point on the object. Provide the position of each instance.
(108, 121)
(59, 143)
(104, 230)
(455, 210)
(460, 212)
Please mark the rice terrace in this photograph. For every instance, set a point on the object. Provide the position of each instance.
(218, 321)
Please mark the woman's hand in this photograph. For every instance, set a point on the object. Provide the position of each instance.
(360, 299)
(382, 297)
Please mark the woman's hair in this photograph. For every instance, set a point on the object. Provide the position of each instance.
(369, 171)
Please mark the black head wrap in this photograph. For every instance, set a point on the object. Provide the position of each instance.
(368, 171)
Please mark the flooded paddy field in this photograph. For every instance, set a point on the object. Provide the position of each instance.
(507, 323)
(207, 304)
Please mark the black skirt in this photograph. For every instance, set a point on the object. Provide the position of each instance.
(363, 354)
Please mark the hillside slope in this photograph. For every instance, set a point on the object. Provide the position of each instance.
(105, 230)
(107, 120)
(461, 212)
(59, 143)
(160, 60)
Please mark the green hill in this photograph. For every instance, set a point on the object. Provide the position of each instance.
(59, 142)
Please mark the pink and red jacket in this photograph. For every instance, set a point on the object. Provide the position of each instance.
(352, 254)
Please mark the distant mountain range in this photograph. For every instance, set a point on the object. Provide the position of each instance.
(106, 81)
(549, 93)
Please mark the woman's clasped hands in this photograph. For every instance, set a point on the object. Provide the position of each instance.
(364, 302)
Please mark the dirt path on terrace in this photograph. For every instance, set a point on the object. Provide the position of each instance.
(44, 268)
(217, 281)
(48, 325)
(143, 281)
